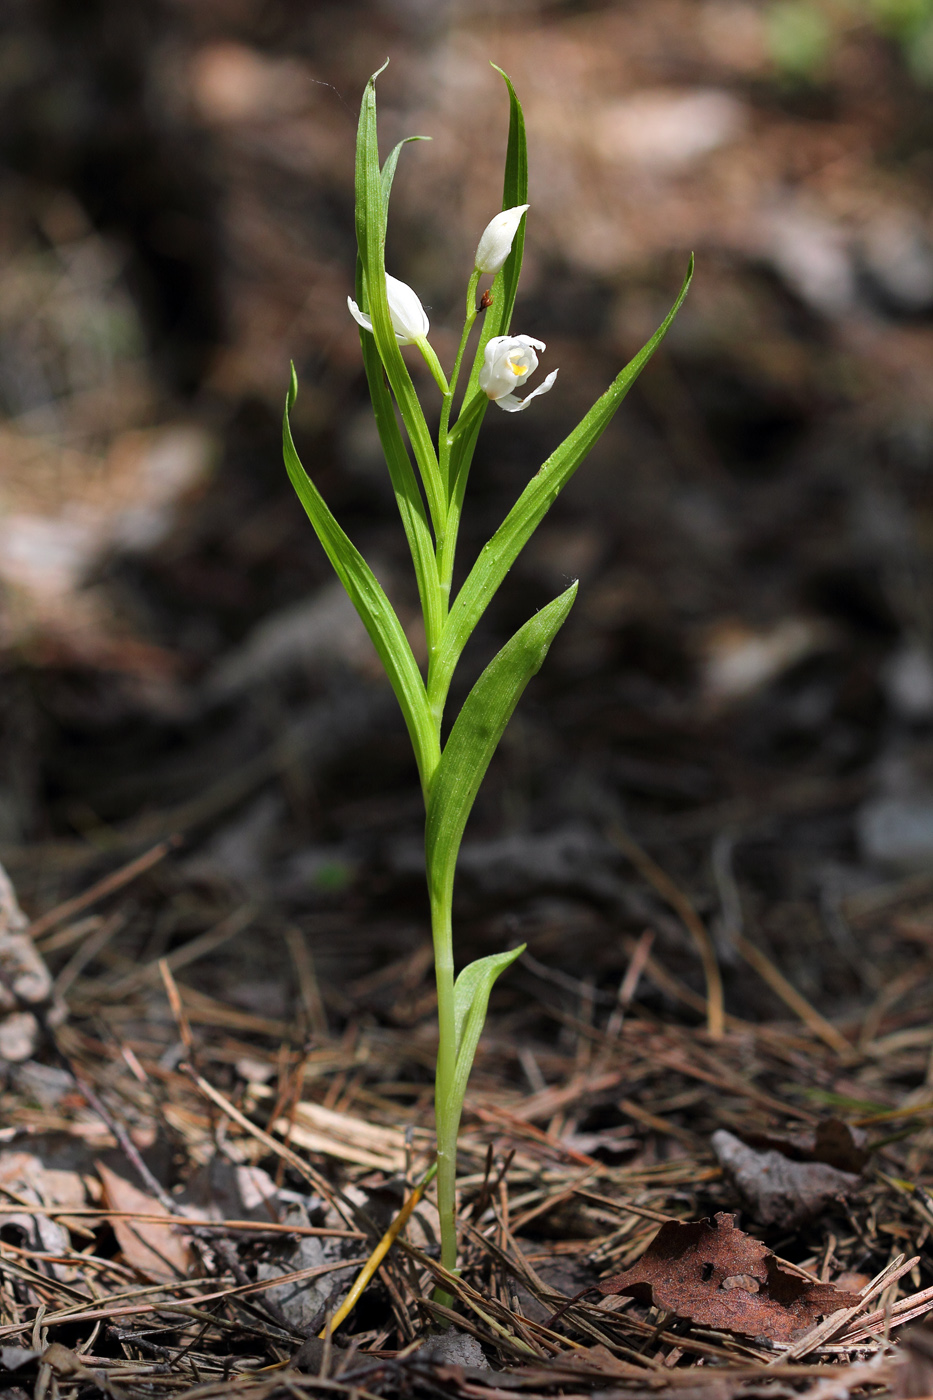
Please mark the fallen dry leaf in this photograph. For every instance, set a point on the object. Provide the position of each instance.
(717, 1276)
(158, 1252)
(24, 1177)
(776, 1189)
(834, 1142)
(27, 1175)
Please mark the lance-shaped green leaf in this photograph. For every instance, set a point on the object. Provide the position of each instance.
(407, 493)
(389, 167)
(496, 321)
(370, 601)
(408, 496)
(514, 192)
(370, 236)
(471, 1000)
(498, 318)
(474, 736)
(498, 556)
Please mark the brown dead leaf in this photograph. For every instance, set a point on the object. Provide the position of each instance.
(776, 1189)
(834, 1142)
(717, 1276)
(158, 1252)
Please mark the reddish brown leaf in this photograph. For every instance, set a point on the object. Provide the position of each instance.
(158, 1252)
(717, 1276)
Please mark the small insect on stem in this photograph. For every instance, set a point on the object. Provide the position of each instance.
(485, 300)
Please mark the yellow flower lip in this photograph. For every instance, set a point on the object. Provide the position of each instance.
(515, 368)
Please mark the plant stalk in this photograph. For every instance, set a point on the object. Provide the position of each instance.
(446, 1109)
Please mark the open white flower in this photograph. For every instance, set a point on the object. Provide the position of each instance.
(409, 318)
(508, 362)
(498, 236)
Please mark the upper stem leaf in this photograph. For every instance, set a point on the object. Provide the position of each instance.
(498, 556)
(474, 736)
(372, 192)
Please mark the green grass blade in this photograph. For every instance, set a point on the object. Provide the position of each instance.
(371, 603)
(498, 556)
(474, 736)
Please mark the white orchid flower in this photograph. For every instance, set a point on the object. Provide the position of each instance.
(409, 318)
(409, 321)
(508, 362)
(498, 236)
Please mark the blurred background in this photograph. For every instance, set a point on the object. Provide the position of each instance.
(746, 681)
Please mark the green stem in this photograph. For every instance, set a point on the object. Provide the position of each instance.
(433, 364)
(443, 441)
(470, 416)
(446, 1109)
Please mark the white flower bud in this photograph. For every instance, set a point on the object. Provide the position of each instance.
(508, 361)
(409, 319)
(496, 243)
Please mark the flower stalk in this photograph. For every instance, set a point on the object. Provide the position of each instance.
(391, 316)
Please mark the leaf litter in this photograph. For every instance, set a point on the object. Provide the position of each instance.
(192, 1269)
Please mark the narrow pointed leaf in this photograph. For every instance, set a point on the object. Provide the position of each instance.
(498, 318)
(388, 171)
(474, 984)
(371, 199)
(475, 734)
(514, 192)
(371, 603)
(498, 556)
(471, 1001)
(408, 496)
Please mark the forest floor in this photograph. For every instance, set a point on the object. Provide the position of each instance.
(704, 1097)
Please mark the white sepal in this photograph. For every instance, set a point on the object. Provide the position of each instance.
(409, 318)
(513, 404)
(498, 236)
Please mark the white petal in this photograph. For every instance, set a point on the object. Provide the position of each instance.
(492, 345)
(513, 404)
(360, 317)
